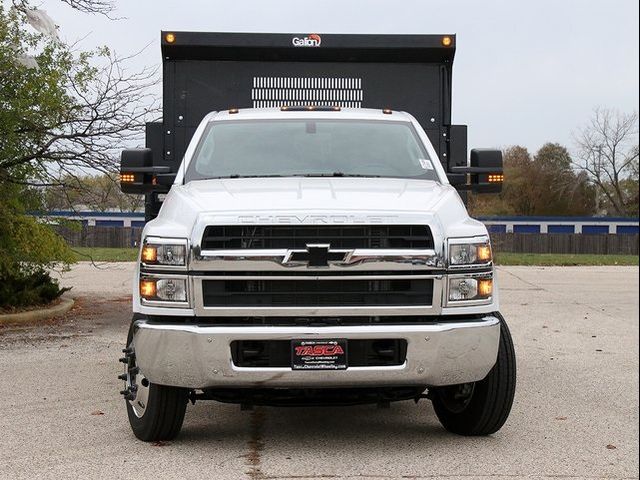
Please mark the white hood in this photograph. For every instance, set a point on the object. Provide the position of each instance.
(312, 200)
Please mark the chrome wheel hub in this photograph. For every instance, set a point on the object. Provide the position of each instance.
(139, 403)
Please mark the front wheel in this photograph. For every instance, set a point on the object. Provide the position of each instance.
(155, 412)
(480, 408)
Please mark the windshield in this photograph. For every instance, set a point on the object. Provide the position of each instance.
(310, 147)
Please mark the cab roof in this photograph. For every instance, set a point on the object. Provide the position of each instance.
(282, 113)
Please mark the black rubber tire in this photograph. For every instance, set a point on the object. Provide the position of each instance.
(163, 417)
(490, 403)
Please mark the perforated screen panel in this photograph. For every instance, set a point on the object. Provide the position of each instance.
(319, 91)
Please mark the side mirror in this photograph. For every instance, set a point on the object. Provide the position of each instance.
(484, 175)
(138, 175)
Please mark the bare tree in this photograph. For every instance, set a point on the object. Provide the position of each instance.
(106, 113)
(102, 7)
(93, 192)
(67, 113)
(607, 149)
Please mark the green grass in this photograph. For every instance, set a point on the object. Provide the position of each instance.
(106, 254)
(563, 259)
(541, 259)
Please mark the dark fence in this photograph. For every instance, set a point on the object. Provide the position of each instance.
(113, 236)
(565, 243)
(122, 237)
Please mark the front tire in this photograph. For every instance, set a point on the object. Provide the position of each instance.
(163, 416)
(155, 412)
(480, 408)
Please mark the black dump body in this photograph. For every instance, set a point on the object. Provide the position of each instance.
(206, 72)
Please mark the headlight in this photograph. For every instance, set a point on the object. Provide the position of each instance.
(462, 289)
(469, 252)
(164, 251)
(163, 289)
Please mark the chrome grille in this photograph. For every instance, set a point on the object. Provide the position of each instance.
(299, 236)
(317, 293)
(293, 271)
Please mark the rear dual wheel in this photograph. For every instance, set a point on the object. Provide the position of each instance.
(480, 408)
(155, 412)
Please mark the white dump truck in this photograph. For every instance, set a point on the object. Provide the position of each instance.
(308, 244)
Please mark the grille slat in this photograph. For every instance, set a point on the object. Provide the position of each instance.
(315, 293)
(297, 237)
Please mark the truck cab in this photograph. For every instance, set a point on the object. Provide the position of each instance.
(307, 249)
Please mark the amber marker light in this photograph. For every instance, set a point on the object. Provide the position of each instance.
(127, 178)
(170, 37)
(484, 253)
(485, 287)
(149, 254)
(447, 41)
(148, 289)
(496, 177)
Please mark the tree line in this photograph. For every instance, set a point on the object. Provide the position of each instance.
(601, 178)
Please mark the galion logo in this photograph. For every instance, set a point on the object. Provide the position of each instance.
(312, 40)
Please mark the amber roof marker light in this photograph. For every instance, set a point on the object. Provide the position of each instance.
(447, 41)
(170, 37)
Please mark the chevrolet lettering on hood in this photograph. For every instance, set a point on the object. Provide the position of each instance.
(315, 219)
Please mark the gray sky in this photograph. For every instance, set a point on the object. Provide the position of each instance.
(525, 72)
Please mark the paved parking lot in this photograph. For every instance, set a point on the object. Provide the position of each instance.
(575, 413)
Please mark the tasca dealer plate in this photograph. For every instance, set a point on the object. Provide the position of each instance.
(319, 354)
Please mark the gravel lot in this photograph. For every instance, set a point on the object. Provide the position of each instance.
(575, 414)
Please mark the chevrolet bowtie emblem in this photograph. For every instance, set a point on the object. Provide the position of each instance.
(316, 255)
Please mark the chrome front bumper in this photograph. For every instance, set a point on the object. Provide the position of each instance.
(199, 357)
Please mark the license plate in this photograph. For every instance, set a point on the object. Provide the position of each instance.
(319, 354)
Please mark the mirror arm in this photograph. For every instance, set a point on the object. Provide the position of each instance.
(464, 170)
(165, 178)
(157, 169)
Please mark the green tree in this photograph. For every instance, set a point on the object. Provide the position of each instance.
(542, 184)
(559, 189)
(61, 114)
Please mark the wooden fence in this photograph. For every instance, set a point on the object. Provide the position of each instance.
(111, 236)
(604, 244)
(123, 237)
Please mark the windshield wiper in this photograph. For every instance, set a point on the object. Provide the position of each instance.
(237, 175)
(310, 175)
(335, 174)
